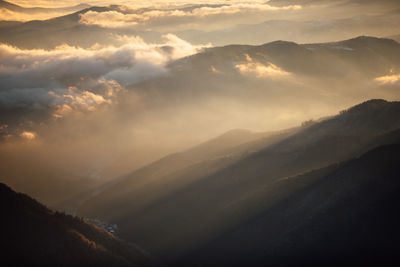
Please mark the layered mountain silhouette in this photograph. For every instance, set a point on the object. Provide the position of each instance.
(53, 32)
(67, 29)
(156, 180)
(74, 128)
(308, 2)
(298, 77)
(303, 31)
(368, 55)
(350, 67)
(214, 199)
(341, 215)
(32, 10)
(33, 235)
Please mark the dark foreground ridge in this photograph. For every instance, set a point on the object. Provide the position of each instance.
(33, 235)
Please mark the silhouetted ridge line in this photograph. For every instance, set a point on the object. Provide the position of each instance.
(33, 235)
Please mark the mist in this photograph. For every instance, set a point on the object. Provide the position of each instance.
(152, 81)
(217, 133)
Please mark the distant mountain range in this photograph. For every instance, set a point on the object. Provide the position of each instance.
(51, 33)
(68, 29)
(79, 126)
(369, 55)
(308, 2)
(175, 212)
(334, 75)
(302, 31)
(32, 10)
(348, 65)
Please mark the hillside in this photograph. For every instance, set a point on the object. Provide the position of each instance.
(199, 134)
(156, 180)
(49, 33)
(280, 72)
(343, 215)
(227, 195)
(33, 235)
(326, 59)
(31, 10)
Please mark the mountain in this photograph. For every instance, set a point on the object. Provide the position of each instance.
(280, 72)
(47, 34)
(225, 196)
(304, 31)
(309, 59)
(319, 2)
(154, 181)
(32, 10)
(212, 149)
(10, 6)
(33, 235)
(395, 37)
(368, 18)
(342, 215)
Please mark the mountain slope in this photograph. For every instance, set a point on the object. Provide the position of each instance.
(338, 216)
(310, 2)
(206, 207)
(31, 10)
(280, 72)
(34, 235)
(47, 34)
(159, 179)
(304, 31)
(299, 29)
(310, 59)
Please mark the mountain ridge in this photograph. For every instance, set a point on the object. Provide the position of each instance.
(357, 194)
(18, 8)
(34, 235)
(231, 192)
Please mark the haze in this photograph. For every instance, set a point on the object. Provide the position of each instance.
(108, 103)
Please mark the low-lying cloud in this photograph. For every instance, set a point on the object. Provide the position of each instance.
(114, 19)
(388, 79)
(260, 70)
(72, 79)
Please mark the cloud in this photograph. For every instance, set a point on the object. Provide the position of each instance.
(388, 79)
(115, 19)
(109, 19)
(74, 99)
(28, 135)
(266, 70)
(72, 79)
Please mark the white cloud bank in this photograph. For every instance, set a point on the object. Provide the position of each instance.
(260, 70)
(72, 79)
(388, 79)
(115, 19)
